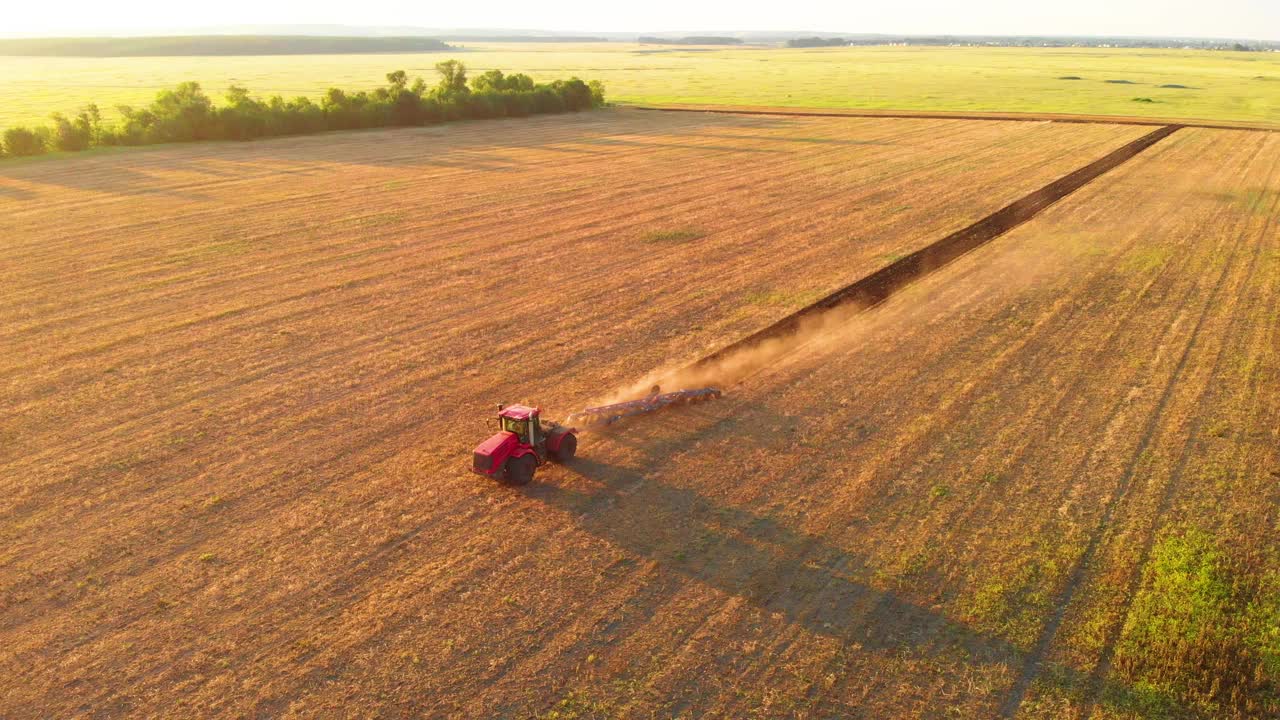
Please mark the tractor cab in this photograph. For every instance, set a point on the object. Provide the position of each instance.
(522, 421)
(522, 444)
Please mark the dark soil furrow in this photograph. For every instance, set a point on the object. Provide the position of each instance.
(876, 287)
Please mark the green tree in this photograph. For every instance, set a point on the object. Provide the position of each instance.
(577, 95)
(491, 80)
(243, 118)
(184, 113)
(453, 79)
(89, 122)
(520, 82)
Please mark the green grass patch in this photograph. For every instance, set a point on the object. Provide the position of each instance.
(1147, 259)
(902, 78)
(578, 705)
(781, 298)
(681, 235)
(1204, 628)
(1011, 604)
(1257, 201)
(1261, 201)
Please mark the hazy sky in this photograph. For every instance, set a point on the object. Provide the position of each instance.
(1257, 19)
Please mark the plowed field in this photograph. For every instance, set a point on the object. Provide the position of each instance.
(239, 385)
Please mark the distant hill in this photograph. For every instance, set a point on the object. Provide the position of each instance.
(217, 45)
(527, 38)
(691, 40)
(809, 42)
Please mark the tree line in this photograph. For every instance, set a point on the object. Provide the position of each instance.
(186, 113)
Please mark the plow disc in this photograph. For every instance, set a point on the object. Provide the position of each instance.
(609, 414)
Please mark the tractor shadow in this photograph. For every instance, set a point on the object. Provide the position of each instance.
(9, 192)
(780, 570)
(125, 172)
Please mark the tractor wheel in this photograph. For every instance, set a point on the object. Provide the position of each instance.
(519, 471)
(568, 448)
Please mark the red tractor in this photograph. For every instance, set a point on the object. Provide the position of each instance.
(522, 444)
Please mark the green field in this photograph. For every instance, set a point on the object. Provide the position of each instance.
(1218, 85)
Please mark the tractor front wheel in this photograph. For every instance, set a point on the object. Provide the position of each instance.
(568, 448)
(519, 470)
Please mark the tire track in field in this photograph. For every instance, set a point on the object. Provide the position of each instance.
(319, 291)
(1047, 352)
(539, 203)
(582, 208)
(1102, 669)
(1037, 434)
(548, 140)
(873, 289)
(1043, 355)
(1034, 661)
(1116, 329)
(330, 288)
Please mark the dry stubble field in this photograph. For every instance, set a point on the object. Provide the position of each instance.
(240, 384)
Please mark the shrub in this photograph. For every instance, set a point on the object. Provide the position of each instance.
(22, 142)
(518, 104)
(577, 95)
(547, 100)
(184, 113)
(69, 136)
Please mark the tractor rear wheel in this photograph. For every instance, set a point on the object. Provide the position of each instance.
(519, 470)
(568, 448)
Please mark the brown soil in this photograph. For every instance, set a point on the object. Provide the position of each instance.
(240, 384)
(957, 115)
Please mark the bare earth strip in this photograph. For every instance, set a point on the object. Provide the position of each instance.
(239, 383)
(960, 115)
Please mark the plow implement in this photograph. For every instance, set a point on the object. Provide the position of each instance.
(524, 441)
(609, 414)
